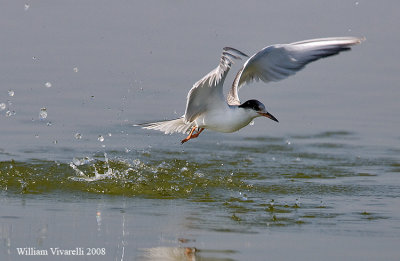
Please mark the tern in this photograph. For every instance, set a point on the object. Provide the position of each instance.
(208, 108)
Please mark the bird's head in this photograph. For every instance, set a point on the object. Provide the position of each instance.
(257, 109)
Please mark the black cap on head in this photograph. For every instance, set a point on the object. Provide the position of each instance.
(258, 107)
(253, 104)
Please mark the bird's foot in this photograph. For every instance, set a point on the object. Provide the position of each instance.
(191, 135)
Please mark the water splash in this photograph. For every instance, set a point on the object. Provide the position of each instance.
(48, 85)
(106, 171)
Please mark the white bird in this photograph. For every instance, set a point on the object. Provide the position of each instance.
(206, 106)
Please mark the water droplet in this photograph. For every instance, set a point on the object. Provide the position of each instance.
(127, 150)
(357, 3)
(100, 138)
(48, 84)
(34, 58)
(298, 159)
(251, 123)
(109, 134)
(9, 113)
(273, 159)
(26, 6)
(43, 113)
(75, 69)
(11, 93)
(49, 123)
(2, 106)
(297, 204)
(288, 142)
(78, 136)
(55, 141)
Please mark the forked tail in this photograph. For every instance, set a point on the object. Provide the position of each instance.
(169, 126)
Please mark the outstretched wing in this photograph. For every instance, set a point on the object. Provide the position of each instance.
(208, 91)
(276, 62)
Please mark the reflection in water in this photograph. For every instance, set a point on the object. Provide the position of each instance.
(42, 234)
(183, 254)
(170, 253)
(5, 235)
(98, 220)
(123, 237)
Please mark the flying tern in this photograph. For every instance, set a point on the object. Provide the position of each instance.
(207, 107)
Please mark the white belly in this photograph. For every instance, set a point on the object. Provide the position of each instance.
(224, 121)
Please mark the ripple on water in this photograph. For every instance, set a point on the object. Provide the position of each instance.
(327, 134)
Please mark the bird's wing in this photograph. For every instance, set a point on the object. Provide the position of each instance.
(276, 62)
(208, 91)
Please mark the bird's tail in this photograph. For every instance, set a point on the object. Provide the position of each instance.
(169, 126)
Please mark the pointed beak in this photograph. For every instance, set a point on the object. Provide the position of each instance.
(268, 115)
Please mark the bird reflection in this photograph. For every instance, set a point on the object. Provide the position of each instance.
(182, 254)
(170, 253)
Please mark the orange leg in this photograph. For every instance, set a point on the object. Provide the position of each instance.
(191, 135)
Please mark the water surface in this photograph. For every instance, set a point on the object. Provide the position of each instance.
(323, 184)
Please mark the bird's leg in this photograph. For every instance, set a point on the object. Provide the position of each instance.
(191, 135)
(197, 133)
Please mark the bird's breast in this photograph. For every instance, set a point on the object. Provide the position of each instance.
(223, 121)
